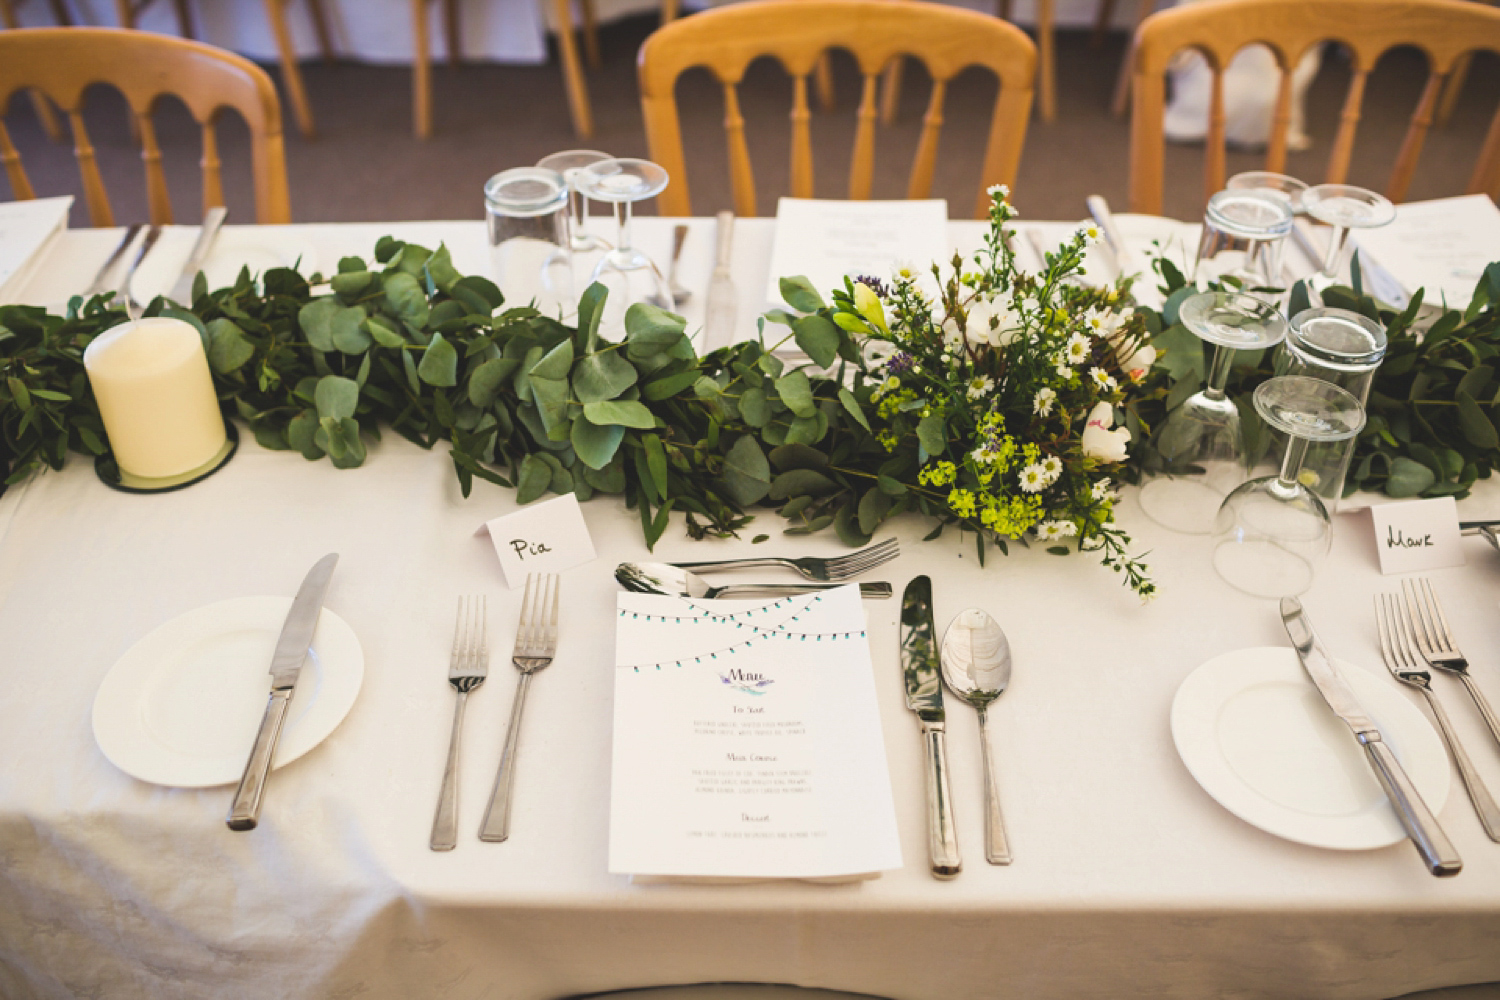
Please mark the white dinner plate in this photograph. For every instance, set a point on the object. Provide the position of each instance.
(1260, 739)
(183, 704)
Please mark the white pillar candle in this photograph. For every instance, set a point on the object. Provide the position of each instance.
(156, 396)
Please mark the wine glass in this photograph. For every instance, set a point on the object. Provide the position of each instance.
(1267, 182)
(1243, 236)
(1345, 208)
(1197, 455)
(629, 275)
(569, 163)
(1271, 532)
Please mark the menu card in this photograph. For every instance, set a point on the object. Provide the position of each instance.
(25, 227)
(824, 241)
(1442, 246)
(747, 741)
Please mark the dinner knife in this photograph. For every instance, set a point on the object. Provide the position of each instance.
(722, 308)
(1124, 260)
(924, 696)
(182, 292)
(97, 285)
(286, 663)
(1436, 850)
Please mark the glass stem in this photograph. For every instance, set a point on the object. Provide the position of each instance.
(1288, 481)
(622, 220)
(1338, 242)
(1218, 372)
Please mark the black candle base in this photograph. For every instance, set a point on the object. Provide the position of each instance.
(112, 476)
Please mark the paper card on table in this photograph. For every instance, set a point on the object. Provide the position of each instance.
(1416, 536)
(747, 741)
(546, 537)
(1441, 245)
(25, 227)
(825, 240)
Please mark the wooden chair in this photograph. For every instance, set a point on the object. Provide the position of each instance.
(9, 21)
(421, 97)
(63, 62)
(128, 12)
(797, 33)
(1444, 29)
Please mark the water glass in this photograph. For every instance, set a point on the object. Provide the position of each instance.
(569, 163)
(1244, 232)
(526, 211)
(1344, 348)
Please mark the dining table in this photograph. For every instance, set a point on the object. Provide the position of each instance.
(1128, 879)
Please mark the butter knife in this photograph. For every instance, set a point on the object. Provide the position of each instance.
(1421, 826)
(286, 663)
(722, 308)
(182, 292)
(924, 696)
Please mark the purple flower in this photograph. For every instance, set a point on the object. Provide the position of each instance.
(874, 284)
(900, 363)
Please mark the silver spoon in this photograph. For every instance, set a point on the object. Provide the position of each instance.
(976, 667)
(660, 578)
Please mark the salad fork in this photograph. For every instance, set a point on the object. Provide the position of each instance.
(467, 666)
(834, 570)
(536, 644)
(1400, 653)
(1435, 641)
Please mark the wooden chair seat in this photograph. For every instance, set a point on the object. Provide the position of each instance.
(798, 33)
(62, 63)
(1445, 30)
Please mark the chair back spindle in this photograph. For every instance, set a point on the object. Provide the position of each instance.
(1446, 31)
(799, 35)
(63, 63)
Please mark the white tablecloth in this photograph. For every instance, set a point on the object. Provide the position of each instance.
(1129, 880)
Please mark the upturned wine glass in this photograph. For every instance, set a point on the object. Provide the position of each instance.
(1244, 232)
(1345, 208)
(1271, 532)
(569, 163)
(1268, 182)
(630, 275)
(1197, 456)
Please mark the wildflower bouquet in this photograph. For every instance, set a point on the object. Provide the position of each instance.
(996, 393)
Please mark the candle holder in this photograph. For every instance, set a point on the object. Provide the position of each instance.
(111, 475)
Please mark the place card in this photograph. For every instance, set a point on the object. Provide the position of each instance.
(1441, 245)
(1417, 536)
(25, 228)
(546, 537)
(824, 241)
(747, 741)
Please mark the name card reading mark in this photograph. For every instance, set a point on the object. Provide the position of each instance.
(523, 548)
(1396, 539)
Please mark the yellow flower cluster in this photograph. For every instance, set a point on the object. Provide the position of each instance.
(891, 404)
(938, 474)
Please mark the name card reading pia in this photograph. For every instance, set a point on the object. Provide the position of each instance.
(1417, 536)
(546, 537)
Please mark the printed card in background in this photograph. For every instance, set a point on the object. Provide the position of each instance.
(546, 537)
(1417, 536)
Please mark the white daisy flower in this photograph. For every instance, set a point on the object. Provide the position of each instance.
(1052, 466)
(998, 191)
(1076, 350)
(1043, 400)
(1091, 233)
(1051, 531)
(980, 386)
(1033, 478)
(1103, 379)
(1101, 490)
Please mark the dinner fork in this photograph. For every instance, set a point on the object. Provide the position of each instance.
(1435, 640)
(467, 666)
(1402, 657)
(536, 644)
(834, 570)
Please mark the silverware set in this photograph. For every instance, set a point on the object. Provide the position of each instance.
(468, 666)
(182, 288)
(1414, 635)
(677, 579)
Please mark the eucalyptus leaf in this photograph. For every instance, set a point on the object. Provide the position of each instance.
(799, 482)
(619, 411)
(439, 365)
(799, 293)
(602, 376)
(747, 474)
(796, 392)
(228, 350)
(595, 445)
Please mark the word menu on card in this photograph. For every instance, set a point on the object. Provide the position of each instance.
(747, 741)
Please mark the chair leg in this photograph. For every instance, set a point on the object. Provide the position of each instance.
(291, 73)
(320, 25)
(125, 13)
(421, 73)
(1105, 14)
(455, 36)
(890, 95)
(578, 94)
(1046, 60)
(1451, 89)
(591, 35)
(670, 9)
(60, 13)
(185, 19)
